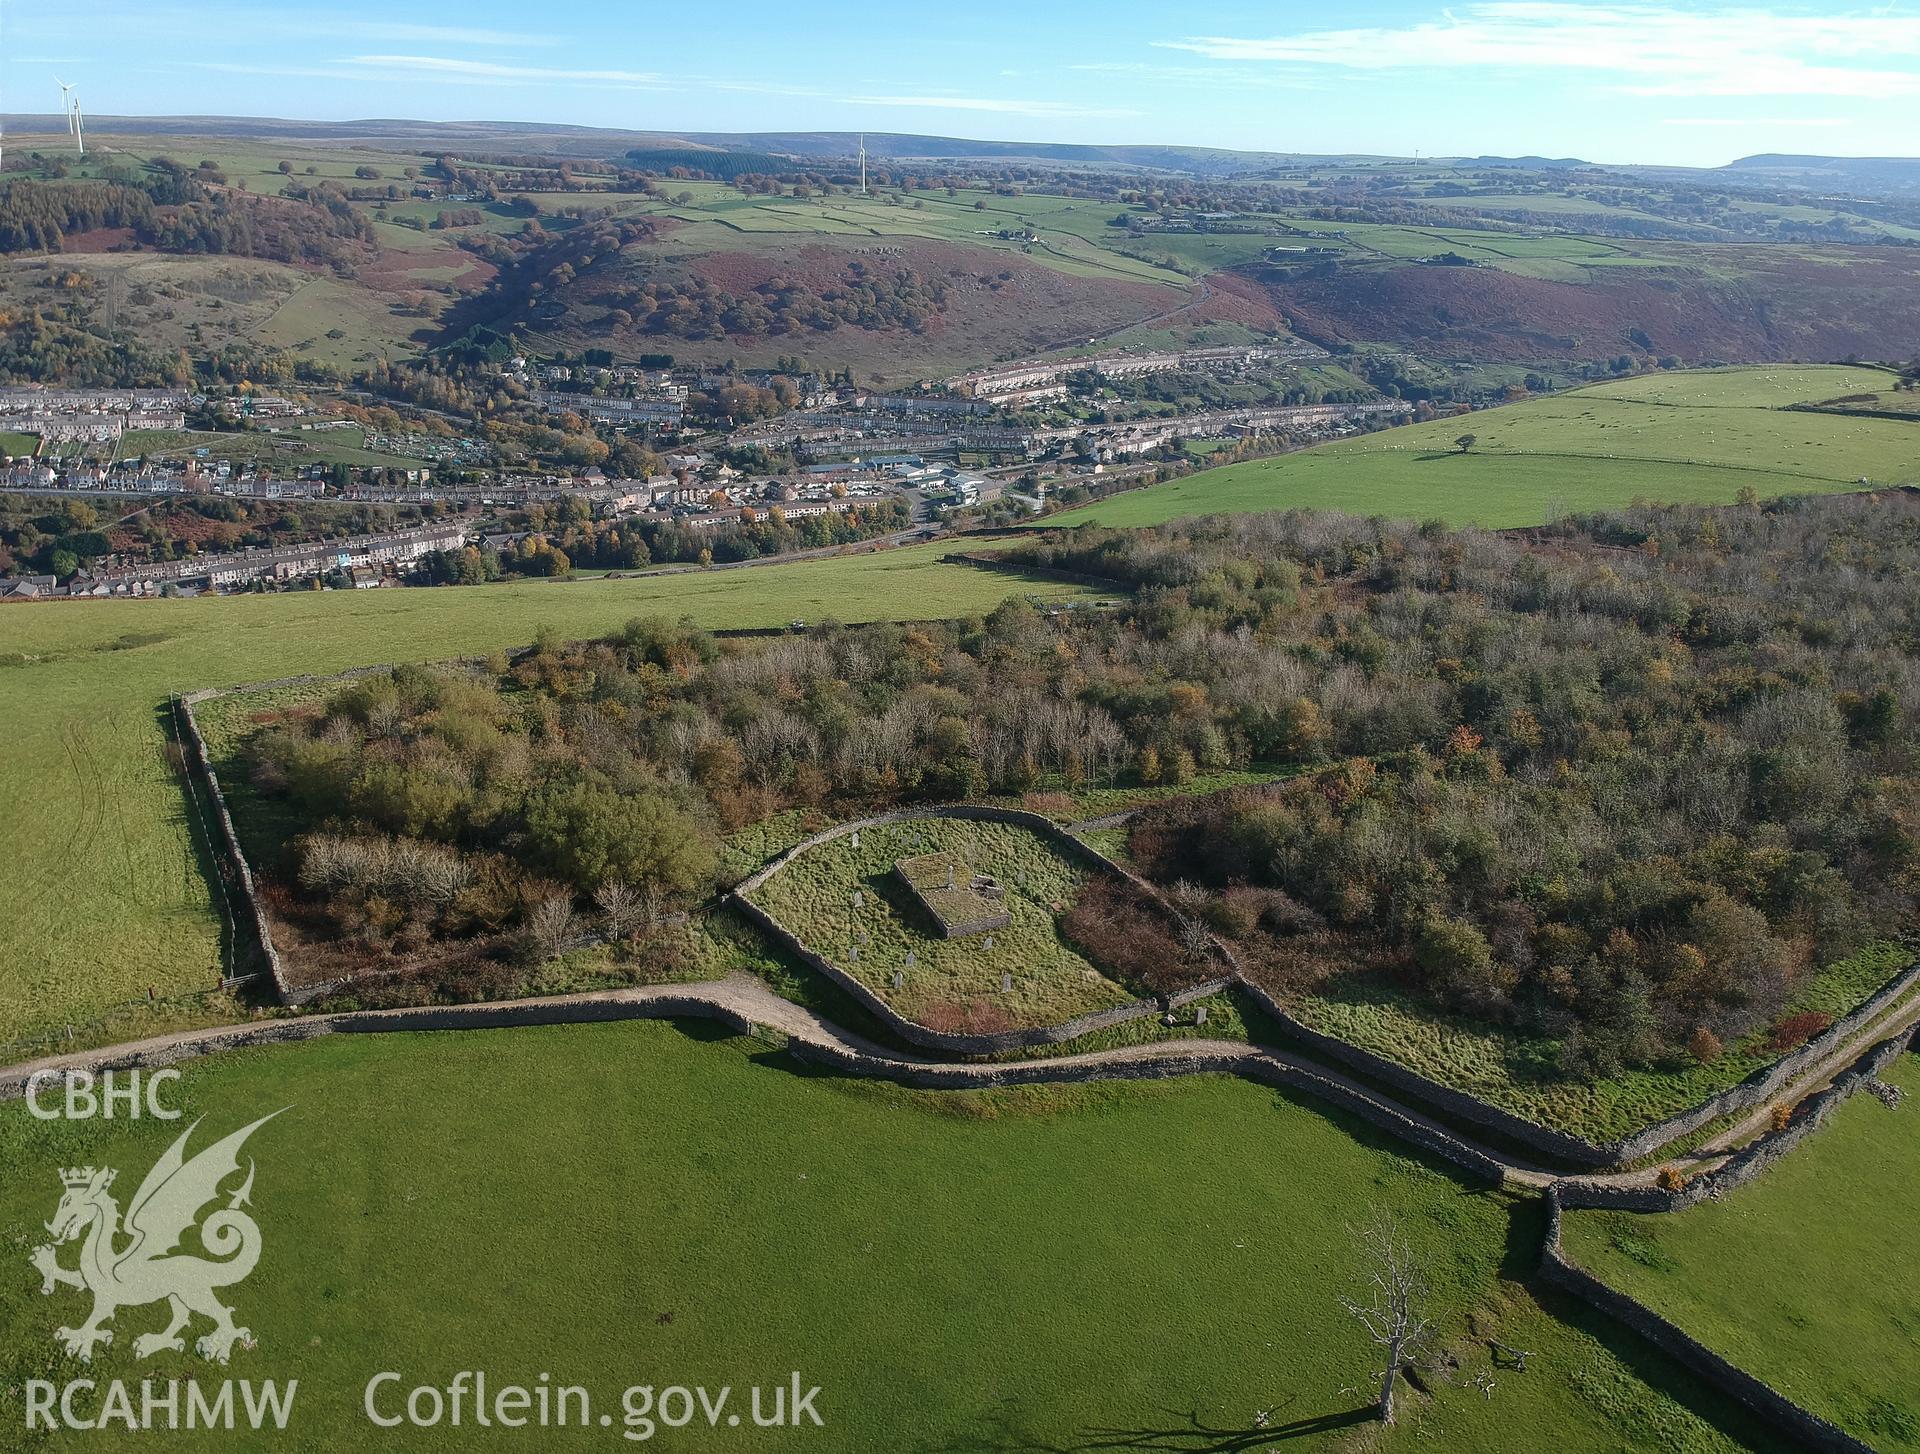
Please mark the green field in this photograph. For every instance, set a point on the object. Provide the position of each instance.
(1803, 1277)
(1072, 235)
(1675, 438)
(951, 983)
(102, 895)
(1060, 1268)
(323, 306)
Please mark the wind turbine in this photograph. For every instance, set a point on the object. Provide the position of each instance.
(70, 105)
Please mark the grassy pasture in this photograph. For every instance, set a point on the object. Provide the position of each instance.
(165, 298)
(1891, 403)
(1071, 231)
(1800, 1277)
(323, 305)
(951, 983)
(1680, 438)
(626, 1204)
(255, 163)
(1760, 387)
(102, 895)
(1549, 202)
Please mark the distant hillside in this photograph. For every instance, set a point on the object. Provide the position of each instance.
(1876, 174)
(610, 141)
(1198, 160)
(1700, 305)
(1530, 163)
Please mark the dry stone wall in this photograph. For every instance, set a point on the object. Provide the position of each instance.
(1764, 1084)
(1748, 1162)
(1560, 1146)
(1248, 1062)
(256, 918)
(1801, 1425)
(572, 1010)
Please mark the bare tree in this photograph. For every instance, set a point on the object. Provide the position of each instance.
(1393, 1310)
(620, 902)
(1195, 938)
(551, 926)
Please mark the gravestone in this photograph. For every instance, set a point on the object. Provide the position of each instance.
(1006, 984)
(859, 899)
(1200, 1015)
(898, 979)
(989, 941)
(910, 959)
(856, 838)
(853, 954)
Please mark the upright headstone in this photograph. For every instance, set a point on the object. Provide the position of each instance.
(859, 899)
(1200, 1015)
(909, 959)
(853, 954)
(1006, 984)
(989, 941)
(898, 979)
(856, 838)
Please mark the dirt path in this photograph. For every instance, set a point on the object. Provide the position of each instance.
(748, 1001)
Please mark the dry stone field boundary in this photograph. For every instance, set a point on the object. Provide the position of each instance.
(1759, 1088)
(749, 1007)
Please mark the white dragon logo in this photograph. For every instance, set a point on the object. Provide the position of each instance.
(142, 1262)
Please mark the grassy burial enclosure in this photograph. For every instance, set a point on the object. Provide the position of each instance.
(857, 900)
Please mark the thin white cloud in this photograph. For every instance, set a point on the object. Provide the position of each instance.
(440, 34)
(470, 72)
(218, 20)
(1009, 106)
(1649, 49)
(1001, 104)
(1756, 121)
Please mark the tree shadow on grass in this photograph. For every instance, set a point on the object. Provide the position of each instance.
(1194, 1436)
(1005, 1431)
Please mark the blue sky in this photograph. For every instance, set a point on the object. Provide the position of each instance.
(1691, 83)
